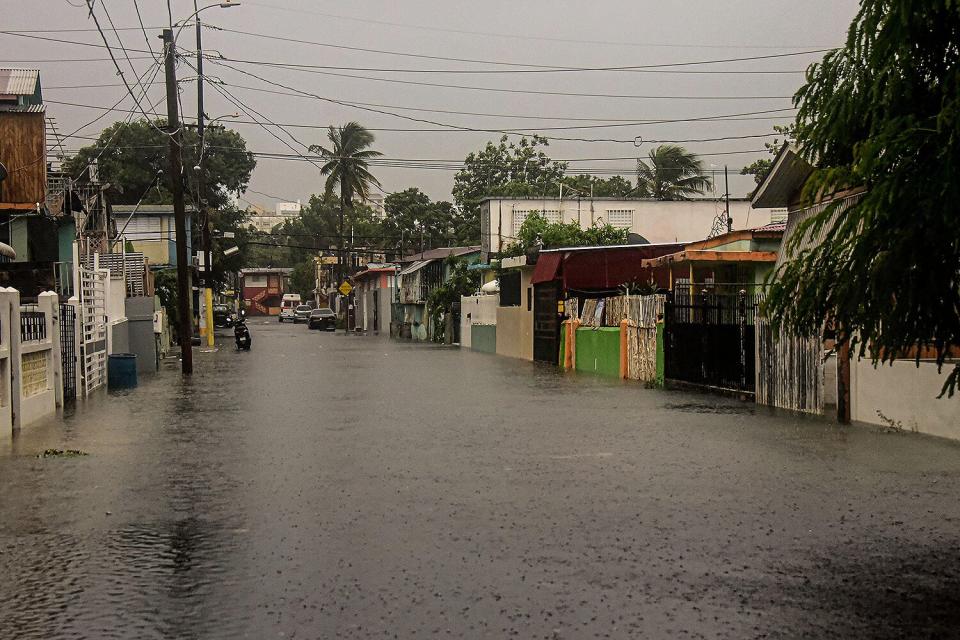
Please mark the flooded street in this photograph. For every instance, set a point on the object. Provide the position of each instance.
(327, 486)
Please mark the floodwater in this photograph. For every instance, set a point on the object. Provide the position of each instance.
(328, 486)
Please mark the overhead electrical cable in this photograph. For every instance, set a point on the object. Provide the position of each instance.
(407, 54)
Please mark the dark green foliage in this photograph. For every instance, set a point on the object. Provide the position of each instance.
(133, 153)
(883, 113)
(537, 230)
(410, 216)
(671, 173)
(461, 282)
(519, 169)
(758, 169)
(346, 162)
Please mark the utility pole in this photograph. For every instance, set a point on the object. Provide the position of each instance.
(204, 212)
(726, 197)
(176, 179)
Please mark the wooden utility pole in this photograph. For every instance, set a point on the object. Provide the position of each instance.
(204, 213)
(176, 180)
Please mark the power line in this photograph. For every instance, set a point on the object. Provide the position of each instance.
(106, 44)
(488, 34)
(425, 121)
(621, 121)
(442, 85)
(406, 54)
(718, 118)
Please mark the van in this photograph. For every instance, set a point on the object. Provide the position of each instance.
(288, 306)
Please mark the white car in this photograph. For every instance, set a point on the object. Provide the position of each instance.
(288, 313)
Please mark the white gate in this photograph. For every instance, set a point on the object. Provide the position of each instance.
(93, 322)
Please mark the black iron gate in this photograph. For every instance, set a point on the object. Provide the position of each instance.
(546, 322)
(709, 340)
(68, 351)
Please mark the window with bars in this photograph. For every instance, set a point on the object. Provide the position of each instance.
(620, 218)
(519, 215)
(552, 215)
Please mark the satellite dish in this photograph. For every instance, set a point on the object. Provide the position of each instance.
(3, 172)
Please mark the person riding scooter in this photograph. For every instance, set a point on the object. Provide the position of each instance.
(241, 334)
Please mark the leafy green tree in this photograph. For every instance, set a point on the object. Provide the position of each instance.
(505, 169)
(411, 215)
(883, 113)
(613, 187)
(132, 156)
(303, 279)
(461, 282)
(760, 168)
(672, 173)
(538, 231)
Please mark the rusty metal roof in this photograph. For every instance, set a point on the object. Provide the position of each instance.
(19, 82)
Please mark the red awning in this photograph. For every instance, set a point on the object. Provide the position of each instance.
(608, 268)
(548, 267)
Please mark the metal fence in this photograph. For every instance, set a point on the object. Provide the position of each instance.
(33, 324)
(709, 340)
(68, 350)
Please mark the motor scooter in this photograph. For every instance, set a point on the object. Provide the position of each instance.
(241, 334)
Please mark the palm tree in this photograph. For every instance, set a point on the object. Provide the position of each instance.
(346, 167)
(673, 174)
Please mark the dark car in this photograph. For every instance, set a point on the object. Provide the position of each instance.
(222, 316)
(323, 319)
(302, 313)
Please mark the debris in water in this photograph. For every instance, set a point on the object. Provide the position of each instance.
(62, 453)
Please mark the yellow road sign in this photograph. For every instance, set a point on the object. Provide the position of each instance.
(346, 288)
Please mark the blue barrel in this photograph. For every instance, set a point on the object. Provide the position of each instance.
(122, 371)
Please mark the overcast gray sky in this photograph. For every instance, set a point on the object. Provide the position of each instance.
(554, 34)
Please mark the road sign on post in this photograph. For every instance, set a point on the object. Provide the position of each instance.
(345, 288)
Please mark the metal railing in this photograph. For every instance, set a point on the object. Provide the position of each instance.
(33, 325)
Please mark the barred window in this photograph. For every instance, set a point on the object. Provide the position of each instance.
(620, 218)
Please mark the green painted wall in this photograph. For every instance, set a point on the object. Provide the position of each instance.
(598, 350)
(18, 238)
(483, 338)
(65, 237)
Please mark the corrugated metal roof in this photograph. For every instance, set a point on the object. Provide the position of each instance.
(442, 252)
(19, 82)
(29, 108)
(416, 266)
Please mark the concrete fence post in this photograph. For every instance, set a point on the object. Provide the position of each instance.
(49, 303)
(16, 377)
(9, 300)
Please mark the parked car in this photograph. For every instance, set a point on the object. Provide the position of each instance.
(324, 319)
(302, 313)
(222, 316)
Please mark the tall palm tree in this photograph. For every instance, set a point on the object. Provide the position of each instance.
(346, 167)
(672, 174)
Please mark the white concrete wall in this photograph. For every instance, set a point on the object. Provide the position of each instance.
(657, 221)
(904, 393)
(41, 404)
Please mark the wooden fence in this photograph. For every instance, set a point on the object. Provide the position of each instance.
(789, 369)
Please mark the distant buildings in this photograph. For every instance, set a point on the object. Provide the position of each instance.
(654, 221)
(265, 221)
(151, 230)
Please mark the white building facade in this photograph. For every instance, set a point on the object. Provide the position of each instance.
(654, 220)
(284, 211)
